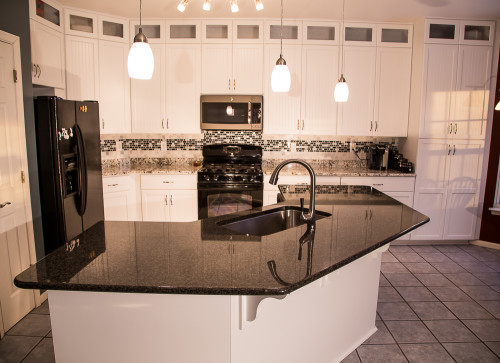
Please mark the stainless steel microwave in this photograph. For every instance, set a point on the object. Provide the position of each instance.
(232, 112)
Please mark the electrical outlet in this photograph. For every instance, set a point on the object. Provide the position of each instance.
(119, 146)
(163, 145)
(293, 146)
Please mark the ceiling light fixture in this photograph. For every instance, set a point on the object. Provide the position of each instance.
(140, 61)
(341, 92)
(258, 5)
(234, 6)
(280, 78)
(206, 5)
(182, 5)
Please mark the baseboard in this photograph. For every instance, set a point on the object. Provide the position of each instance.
(428, 242)
(493, 245)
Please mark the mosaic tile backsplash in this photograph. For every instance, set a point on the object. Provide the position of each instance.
(299, 144)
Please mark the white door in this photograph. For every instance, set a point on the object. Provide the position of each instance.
(432, 203)
(461, 214)
(114, 87)
(82, 68)
(356, 115)
(319, 77)
(282, 110)
(392, 92)
(216, 69)
(14, 248)
(148, 97)
(155, 205)
(472, 94)
(183, 85)
(440, 74)
(248, 69)
(183, 205)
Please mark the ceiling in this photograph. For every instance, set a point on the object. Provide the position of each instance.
(365, 10)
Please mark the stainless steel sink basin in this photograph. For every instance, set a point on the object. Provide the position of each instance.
(269, 221)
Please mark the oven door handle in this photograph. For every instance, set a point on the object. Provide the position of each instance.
(230, 188)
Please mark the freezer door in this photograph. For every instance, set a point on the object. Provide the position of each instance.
(87, 119)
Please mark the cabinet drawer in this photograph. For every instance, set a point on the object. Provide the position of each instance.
(168, 181)
(116, 184)
(393, 184)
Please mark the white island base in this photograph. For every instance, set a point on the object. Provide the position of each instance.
(321, 322)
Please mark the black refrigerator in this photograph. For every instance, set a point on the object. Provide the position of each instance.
(69, 168)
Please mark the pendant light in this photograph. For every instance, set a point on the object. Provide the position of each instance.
(341, 92)
(141, 62)
(280, 78)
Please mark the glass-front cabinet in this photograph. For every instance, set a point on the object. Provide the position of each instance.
(80, 23)
(47, 12)
(112, 28)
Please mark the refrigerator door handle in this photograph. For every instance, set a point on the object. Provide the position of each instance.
(82, 172)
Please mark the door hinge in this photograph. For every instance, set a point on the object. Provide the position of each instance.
(23, 179)
(14, 73)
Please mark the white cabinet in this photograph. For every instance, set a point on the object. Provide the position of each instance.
(216, 69)
(114, 87)
(183, 31)
(154, 30)
(113, 28)
(183, 83)
(80, 23)
(82, 68)
(47, 12)
(47, 56)
(148, 97)
(456, 91)
(447, 188)
(169, 198)
(120, 198)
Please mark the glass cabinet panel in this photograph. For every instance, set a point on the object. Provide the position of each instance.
(289, 32)
(48, 12)
(442, 31)
(181, 31)
(81, 23)
(320, 33)
(477, 32)
(247, 32)
(150, 31)
(112, 29)
(355, 34)
(394, 36)
(217, 31)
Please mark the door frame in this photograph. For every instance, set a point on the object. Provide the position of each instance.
(15, 42)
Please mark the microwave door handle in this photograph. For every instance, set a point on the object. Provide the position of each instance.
(249, 113)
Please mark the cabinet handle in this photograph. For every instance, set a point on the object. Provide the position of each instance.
(103, 123)
(371, 125)
(456, 128)
(451, 128)
(171, 202)
(366, 214)
(112, 185)
(167, 123)
(298, 124)
(167, 182)
(39, 70)
(371, 214)
(378, 185)
(4, 204)
(454, 149)
(449, 149)
(234, 84)
(166, 200)
(229, 84)
(376, 126)
(34, 69)
(162, 123)
(302, 124)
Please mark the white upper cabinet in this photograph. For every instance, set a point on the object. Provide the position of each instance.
(47, 56)
(321, 33)
(360, 34)
(148, 97)
(477, 32)
(183, 84)
(114, 87)
(183, 31)
(395, 35)
(113, 28)
(217, 31)
(282, 110)
(47, 12)
(291, 32)
(319, 77)
(248, 68)
(248, 31)
(216, 71)
(154, 30)
(442, 31)
(356, 115)
(82, 68)
(80, 23)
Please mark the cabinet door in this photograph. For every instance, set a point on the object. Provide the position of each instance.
(461, 214)
(216, 68)
(248, 68)
(47, 53)
(432, 165)
(439, 82)
(470, 109)
(384, 220)
(392, 92)
(82, 64)
(282, 110)
(356, 115)
(465, 164)
(148, 97)
(116, 206)
(155, 205)
(432, 203)
(183, 205)
(183, 87)
(407, 199)
(319, 77)
(349, 240)
(80, 23)
(114, 87)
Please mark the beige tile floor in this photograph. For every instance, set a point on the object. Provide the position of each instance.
(437, 303)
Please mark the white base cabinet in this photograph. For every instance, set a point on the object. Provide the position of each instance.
(121, 199)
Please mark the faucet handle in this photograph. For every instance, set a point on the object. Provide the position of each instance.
(302, 205)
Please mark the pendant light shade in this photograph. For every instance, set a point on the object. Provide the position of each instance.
(280, 78)
(140, 62)
(341, 92)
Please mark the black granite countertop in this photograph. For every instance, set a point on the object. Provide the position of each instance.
(202, 257)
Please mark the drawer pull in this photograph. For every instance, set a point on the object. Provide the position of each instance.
(378, 185)
(112, 185)
(167, 182)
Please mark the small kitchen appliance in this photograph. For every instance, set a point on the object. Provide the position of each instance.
(378, 157)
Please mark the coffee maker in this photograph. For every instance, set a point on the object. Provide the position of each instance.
(378, 157)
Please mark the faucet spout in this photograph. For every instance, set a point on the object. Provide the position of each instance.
(311, 215)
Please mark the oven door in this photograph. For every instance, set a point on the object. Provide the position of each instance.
(217, 200)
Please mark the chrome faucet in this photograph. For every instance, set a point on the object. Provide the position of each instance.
(311, 216)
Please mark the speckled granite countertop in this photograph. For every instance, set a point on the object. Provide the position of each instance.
(191, 166)
(203, 257)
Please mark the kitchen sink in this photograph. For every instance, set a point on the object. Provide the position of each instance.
(269, 221)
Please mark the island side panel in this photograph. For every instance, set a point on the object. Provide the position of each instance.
(124, 327)
(321, 322)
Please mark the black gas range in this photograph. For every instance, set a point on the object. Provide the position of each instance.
(230, 180)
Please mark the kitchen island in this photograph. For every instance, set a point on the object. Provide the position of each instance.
(201, 292)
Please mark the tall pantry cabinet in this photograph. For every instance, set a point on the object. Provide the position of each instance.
(456, 84)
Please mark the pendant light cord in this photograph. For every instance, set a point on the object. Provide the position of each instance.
(281, 31)
(342, 48)
(140, 13)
